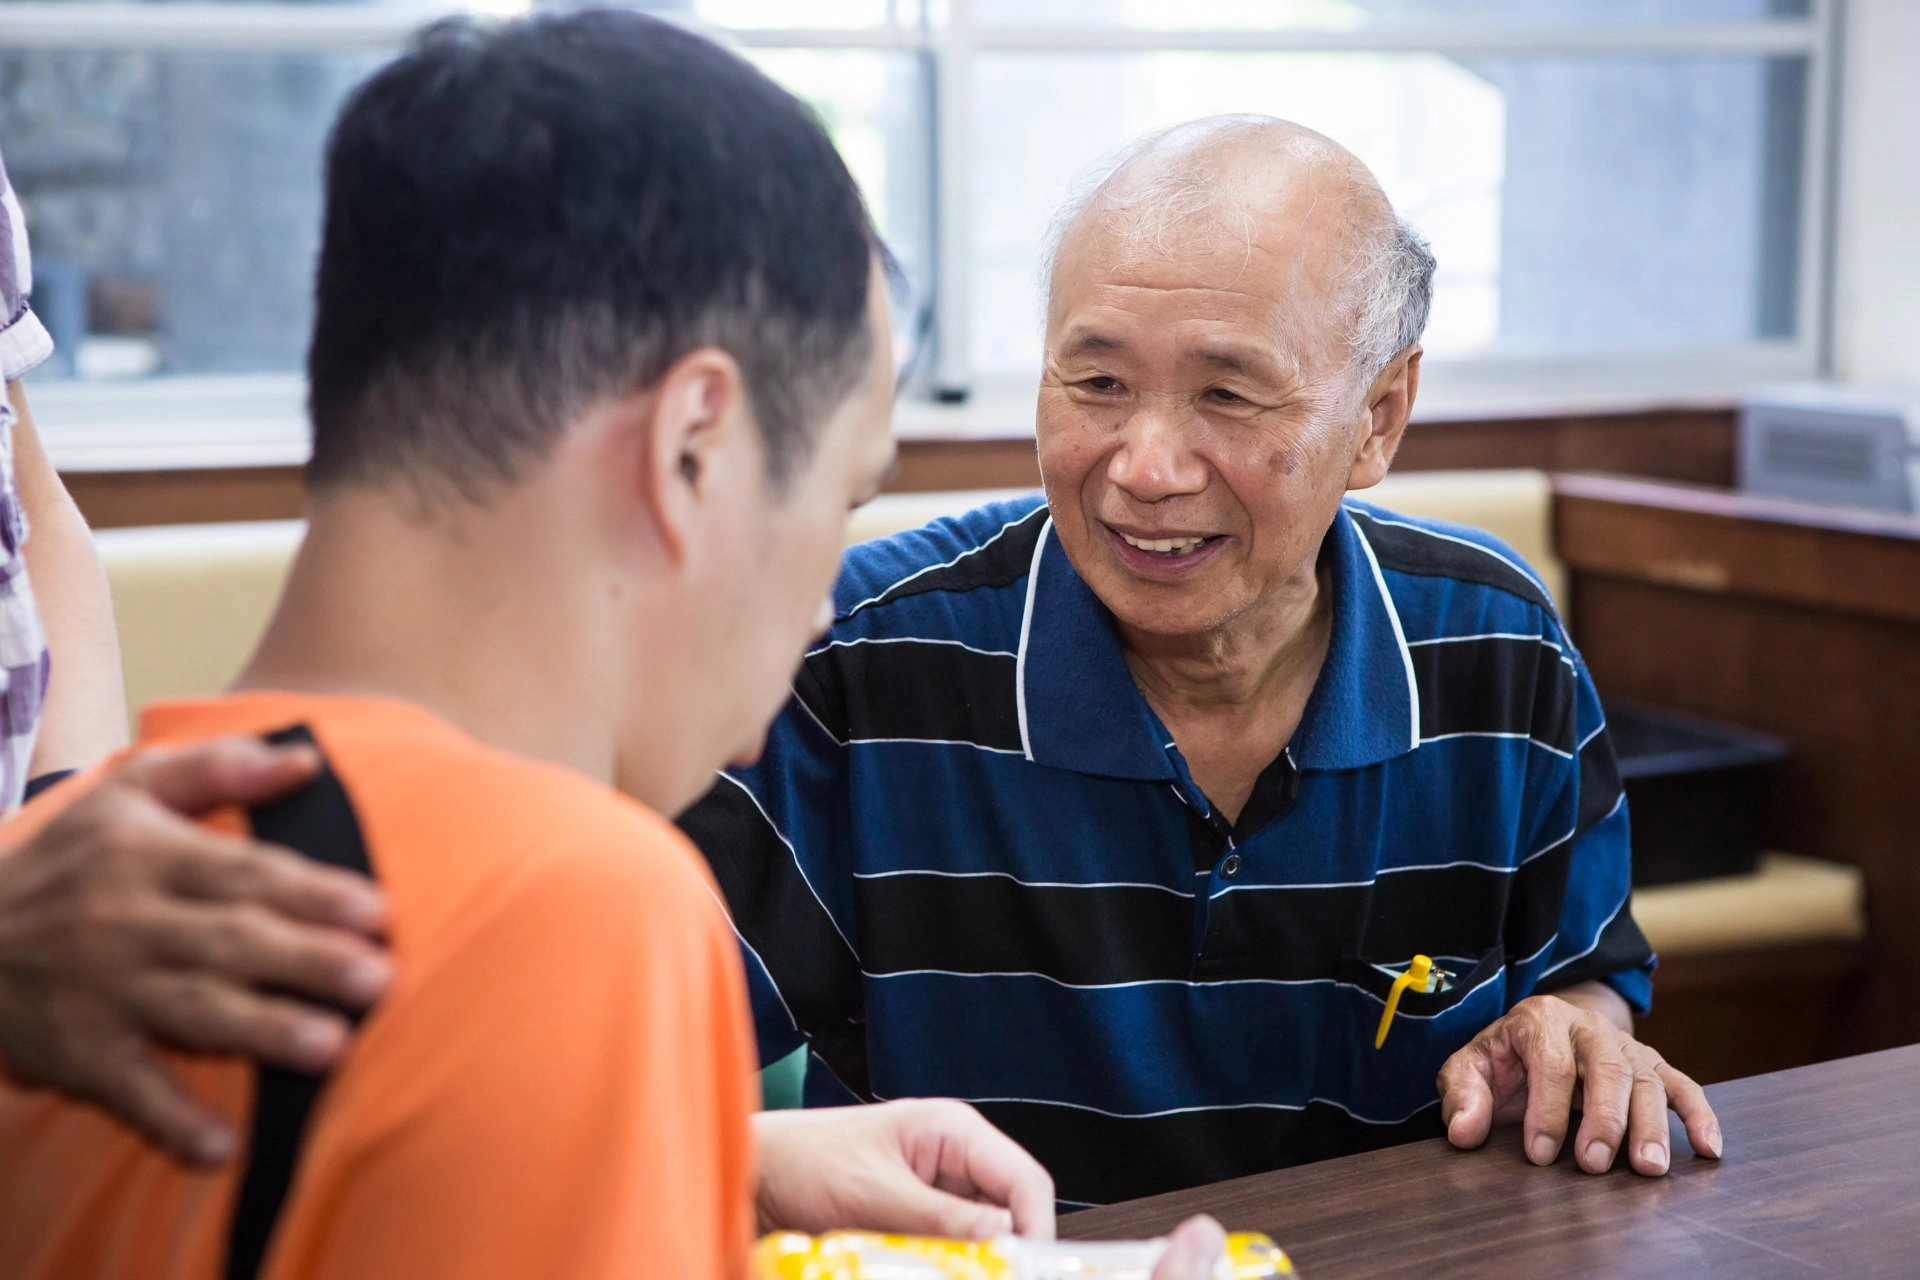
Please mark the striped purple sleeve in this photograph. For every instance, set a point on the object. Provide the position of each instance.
(24, 343)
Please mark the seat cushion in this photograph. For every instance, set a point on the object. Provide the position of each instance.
(191, 601)
(1514, 506)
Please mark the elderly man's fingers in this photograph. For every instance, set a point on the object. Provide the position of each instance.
(1647, 1126)
(253, 946)
(976, 1160)
(140, 1091)
(1689, 1101)
(203, 776)
(1546, 1050)
(1607, 1098)
(1193, 1251)
(209, 1015)
(204, 864)
(1465, 1084)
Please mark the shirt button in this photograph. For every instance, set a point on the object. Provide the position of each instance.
(1231, 867)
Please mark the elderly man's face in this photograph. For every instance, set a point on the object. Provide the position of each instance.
(1197, 420)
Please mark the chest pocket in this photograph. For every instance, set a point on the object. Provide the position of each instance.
(1454, 1011)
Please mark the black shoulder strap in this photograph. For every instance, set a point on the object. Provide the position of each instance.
(318, 821)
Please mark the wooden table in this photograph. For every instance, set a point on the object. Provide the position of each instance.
(1821, 1176)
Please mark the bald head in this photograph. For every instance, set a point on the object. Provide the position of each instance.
(1231, 190)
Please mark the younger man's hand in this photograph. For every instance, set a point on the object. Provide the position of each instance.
(928, 1167)
(1193, 1251)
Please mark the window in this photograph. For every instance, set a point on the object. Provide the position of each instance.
(173, 201)
(1615, 189)
(1579, 206)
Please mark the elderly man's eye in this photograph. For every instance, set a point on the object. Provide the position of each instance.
(1220, 395)
(1101, 383)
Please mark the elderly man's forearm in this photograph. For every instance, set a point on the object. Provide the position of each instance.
(1598, 997)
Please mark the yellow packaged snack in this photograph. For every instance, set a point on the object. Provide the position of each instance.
(859, 1255)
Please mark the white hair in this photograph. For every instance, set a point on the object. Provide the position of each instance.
(1393, 281)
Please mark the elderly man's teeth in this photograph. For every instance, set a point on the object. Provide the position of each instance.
(1165, 546)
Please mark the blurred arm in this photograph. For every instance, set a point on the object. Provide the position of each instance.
(85, 718)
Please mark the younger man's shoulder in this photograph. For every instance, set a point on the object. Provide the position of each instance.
(456, 831)
(584, 892)
(546, 822)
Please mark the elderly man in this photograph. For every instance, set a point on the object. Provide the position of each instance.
(1119, 815)
(616, 359)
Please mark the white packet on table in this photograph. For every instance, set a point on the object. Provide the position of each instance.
(853, 1255)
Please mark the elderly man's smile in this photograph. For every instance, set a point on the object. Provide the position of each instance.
(1163, 555)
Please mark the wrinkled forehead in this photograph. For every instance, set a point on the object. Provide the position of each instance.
(1279, 264)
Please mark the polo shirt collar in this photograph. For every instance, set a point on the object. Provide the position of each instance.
(1365, 707)
(1079, 706)
(1081, 710)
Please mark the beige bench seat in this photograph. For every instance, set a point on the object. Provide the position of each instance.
(1515, 506)
(191, 600)
(1788, 901)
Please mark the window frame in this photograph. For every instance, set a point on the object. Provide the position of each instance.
(943, 33)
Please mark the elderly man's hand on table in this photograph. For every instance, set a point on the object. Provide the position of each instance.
(123, 924)
(1530, 1064)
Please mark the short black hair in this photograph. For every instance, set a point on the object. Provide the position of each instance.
(524, 218)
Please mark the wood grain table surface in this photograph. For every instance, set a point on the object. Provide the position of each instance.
(1821, 1176)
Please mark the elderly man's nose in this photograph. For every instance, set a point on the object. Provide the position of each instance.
(1156, 460)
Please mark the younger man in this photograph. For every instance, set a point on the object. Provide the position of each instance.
(599, 366)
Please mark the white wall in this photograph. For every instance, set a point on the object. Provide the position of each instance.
(1877, 298)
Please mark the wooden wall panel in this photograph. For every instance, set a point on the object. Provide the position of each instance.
(1694, 446)
(1682, 444)
(1798, 621)
(1007, 461)
(1737, 544)
(1736, 1014)
(114, 499)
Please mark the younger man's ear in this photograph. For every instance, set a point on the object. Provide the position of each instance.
(1388, 407)
(695, 409)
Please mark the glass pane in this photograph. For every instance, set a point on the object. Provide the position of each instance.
(1355, 15)
(173, 199)
(730, 13)
(776, 13)
(173, 202)
(1577, 206)
(874, 105)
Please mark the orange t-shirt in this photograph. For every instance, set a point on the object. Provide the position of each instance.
(557, 1084)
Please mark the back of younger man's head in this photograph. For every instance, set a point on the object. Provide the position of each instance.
(523, 220)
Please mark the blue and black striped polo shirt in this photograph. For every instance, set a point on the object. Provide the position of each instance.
(972, 861)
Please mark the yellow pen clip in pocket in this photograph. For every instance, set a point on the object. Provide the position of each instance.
(1422, 977)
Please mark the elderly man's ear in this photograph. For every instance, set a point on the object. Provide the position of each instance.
(1387, 406)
